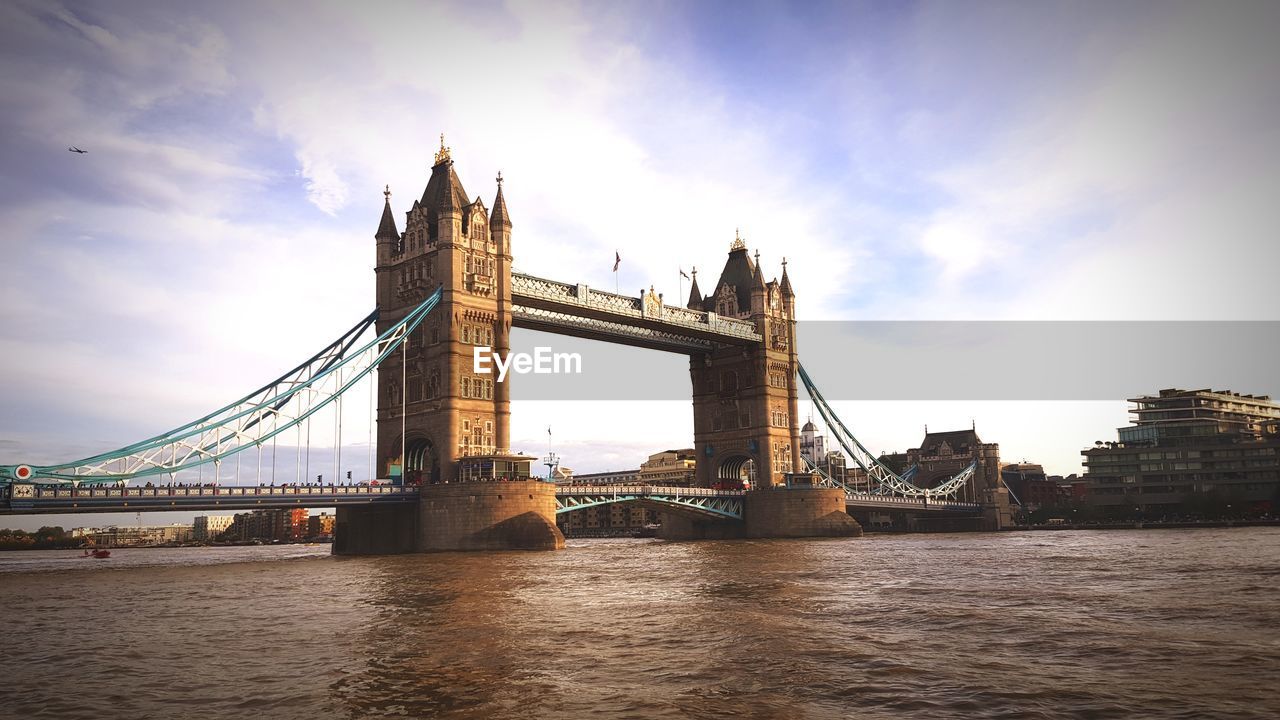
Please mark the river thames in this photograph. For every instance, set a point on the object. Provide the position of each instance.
(1094, 624)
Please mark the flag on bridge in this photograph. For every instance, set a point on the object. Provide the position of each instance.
(683, 274)
(617, 260)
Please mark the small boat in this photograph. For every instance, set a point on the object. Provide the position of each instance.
(99, 553)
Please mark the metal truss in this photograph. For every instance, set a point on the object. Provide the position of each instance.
(577, 325)
(886, 480)
(530, 290)
(248, 422)
(724, 504)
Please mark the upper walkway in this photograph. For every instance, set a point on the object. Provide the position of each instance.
(581, 311)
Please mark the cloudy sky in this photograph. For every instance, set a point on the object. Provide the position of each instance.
(930, 161)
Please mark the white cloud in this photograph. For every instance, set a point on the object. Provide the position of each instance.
(1106, 199)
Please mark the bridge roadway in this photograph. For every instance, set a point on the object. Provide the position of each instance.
(721, 504)
(15, 500)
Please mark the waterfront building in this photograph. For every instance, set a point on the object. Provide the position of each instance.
(137, 536)
(670, 468)
(942, 455)
(289, 525)
(613, 477)
(1031, 488)
(271, 525)
(319, 526)
(1189, 452)
(208, 527)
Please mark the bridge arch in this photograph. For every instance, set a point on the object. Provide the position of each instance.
(421, 461)
(736, 470)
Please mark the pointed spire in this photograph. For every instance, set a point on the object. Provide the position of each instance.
(787, 292)
(499, 218)
(387, 228)
(695, 297)
(449, 192)
(757, 277)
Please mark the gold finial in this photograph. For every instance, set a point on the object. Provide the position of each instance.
(443, 153)
(738, 242)
(386, 193)
(499, 178)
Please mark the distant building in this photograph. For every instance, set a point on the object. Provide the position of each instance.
(208, 527)
(942, 455)
(138, 535)
(319, 526)
(671, 468)
(1189, 452)
(813, 448)
(812, 445)
(1030, 488)
(271, 525)
(1074, 488)
(613, 477)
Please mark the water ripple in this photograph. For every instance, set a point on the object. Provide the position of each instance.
(1114, 624)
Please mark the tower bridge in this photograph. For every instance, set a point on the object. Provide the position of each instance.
(447, 477)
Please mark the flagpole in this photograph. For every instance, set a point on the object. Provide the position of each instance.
(679, 285)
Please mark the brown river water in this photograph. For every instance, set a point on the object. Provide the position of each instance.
(1088, 624)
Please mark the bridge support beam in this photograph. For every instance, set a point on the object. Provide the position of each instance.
(797, 512)
(488, 516)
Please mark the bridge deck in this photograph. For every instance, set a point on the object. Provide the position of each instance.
(153, 499)
(894, 502)
(34, 499)
(704, 502)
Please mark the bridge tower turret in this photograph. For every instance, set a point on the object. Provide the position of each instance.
(440, 422)
(429, 393)
(500, 230)
(745, 399)
(788, 300)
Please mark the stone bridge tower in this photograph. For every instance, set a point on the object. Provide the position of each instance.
(429, 390)
(745, 400)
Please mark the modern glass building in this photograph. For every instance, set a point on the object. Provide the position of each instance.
(1190, 453)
